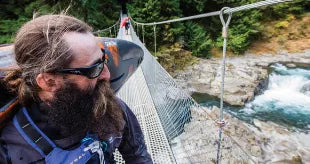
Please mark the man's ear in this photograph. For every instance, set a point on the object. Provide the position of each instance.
(48, 82)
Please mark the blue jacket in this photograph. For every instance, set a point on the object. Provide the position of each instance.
(14, 149)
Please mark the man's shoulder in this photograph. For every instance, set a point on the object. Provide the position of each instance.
(15, 147)
(129, 115)
(123, 105)
(126, 109)
(8, 111)
(9, 133)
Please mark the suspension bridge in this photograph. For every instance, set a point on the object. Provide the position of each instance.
(175, 127)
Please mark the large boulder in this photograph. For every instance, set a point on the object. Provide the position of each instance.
(306, 89)
(245, 76)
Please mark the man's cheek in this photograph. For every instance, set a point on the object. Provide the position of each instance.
(91, 89)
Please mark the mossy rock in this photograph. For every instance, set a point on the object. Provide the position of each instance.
(174, 58)
(282, 24)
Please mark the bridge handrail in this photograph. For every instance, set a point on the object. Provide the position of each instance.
(109, 28)
(214, 13)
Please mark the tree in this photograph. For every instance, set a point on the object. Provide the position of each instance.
(155, 11)
(98, 13)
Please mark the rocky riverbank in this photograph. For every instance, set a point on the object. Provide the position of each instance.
(245, 75)
(263, 142)
(260, 142)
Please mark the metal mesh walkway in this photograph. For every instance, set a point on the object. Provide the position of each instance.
(136, 94)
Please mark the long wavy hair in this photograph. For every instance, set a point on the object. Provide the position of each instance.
(40, 47)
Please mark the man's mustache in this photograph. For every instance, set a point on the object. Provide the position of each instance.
(100, 99)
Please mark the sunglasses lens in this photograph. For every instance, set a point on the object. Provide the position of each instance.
(96, 70)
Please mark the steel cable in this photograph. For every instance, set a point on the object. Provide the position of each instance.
(216, 13)
(109, 28)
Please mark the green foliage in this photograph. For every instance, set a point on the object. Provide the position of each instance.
(197, 40)
(199, 35)
(282, 24)
(238, 43)
(174, 58)
(244, 28)
(155, 11)
(8, 29)
(37, 7)
(98, 13)
(281, 10)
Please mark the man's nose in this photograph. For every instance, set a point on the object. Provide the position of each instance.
(105, 74)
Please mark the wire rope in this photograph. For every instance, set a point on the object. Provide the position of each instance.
(224, 35)
(216, 13)
(106, 29)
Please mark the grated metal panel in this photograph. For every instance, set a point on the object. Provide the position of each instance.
(136, 94)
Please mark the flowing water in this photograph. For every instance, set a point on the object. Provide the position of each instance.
(286, 100)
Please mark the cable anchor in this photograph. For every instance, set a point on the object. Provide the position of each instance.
(222, 123)
(225, 24)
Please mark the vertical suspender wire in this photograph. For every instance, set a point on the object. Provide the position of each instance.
(134, 25)
(138, 30)
(113, 30)
(155, 58)
(155, 38)
(116, 30)
(110, 33)
(221, 122)
(97, 34)
(143, 34)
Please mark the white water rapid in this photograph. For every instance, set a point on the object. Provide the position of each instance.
(286, 100)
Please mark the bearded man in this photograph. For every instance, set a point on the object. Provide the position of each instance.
(65, 109)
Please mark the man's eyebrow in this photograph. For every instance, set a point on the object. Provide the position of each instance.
(96, 61)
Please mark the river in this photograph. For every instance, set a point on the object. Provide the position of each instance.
(285, 101)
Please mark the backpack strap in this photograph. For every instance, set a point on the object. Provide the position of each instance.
(32, 134)
(7, 112)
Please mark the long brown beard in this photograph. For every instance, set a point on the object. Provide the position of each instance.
(94, 110)
(108, 115)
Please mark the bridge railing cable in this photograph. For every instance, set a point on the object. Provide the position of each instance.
(217, 13)
(108, 29)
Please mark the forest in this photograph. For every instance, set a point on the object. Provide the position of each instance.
(199, 36)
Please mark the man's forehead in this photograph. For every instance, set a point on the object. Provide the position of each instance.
(78, 41)
(84, 47)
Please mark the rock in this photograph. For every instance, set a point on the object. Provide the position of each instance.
(245, 77)
(262, 84)
(267, 142)
(305, 89)
(256, 151)
(233, 100)
(297, 159)
(291, 65)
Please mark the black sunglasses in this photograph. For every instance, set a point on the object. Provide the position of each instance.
(91, 72)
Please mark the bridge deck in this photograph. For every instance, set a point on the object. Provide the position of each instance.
(136, 94)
